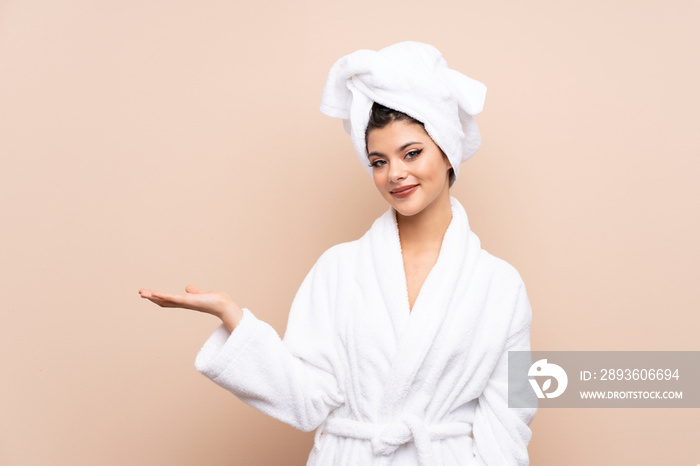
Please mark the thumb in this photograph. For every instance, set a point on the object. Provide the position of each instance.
(192, 289)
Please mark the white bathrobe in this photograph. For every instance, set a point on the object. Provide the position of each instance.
(381, 383)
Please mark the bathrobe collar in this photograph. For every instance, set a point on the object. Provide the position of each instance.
(416, 329)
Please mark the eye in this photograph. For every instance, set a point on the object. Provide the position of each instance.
(412, 154)
(377, 163)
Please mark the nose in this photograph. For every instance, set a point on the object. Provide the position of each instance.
(397, 171)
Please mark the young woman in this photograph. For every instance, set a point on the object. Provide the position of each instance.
(396, 347)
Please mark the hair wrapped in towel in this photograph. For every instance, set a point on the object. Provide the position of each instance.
(413, 78)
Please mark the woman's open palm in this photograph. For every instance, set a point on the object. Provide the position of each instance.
(217, 303)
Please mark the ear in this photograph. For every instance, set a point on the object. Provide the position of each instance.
(449, 164)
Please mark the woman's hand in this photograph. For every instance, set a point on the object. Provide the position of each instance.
(217, 303)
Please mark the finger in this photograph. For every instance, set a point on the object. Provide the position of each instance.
(164, 296)
(185, 301)
(148, 294)
(192, 289)
(201, 301)
(166, 300)
(160, 302)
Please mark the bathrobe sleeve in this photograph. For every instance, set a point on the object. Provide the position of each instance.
(501, 434)
(293, 380)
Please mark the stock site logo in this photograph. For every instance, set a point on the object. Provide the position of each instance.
(542, 368)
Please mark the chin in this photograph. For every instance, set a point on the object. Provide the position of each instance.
(407, 208)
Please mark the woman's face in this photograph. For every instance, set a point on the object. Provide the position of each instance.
(402, 155)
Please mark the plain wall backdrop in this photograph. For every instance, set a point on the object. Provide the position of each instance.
(156, 144)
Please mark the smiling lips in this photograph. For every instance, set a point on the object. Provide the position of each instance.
(404, 191)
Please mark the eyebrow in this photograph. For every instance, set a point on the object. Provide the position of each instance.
(399, 149)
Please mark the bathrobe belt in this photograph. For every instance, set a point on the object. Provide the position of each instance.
(388, 437)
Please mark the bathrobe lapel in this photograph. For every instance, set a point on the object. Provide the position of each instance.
(415, 331)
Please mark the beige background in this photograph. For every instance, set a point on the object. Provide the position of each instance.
(162, 143)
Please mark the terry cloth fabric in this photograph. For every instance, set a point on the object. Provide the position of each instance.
(382, 383)
(411, 77)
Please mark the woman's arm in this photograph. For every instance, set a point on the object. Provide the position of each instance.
(501, 433)
(294, 380)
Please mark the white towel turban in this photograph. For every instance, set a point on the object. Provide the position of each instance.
(413, 78)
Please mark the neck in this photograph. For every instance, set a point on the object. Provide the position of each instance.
(426, 229)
